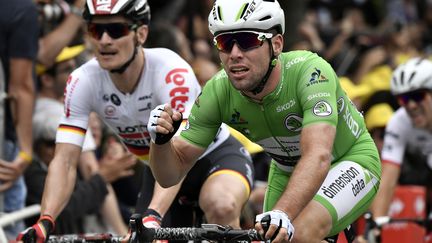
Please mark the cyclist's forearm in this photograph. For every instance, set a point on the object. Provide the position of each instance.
(304, 183)
(310, 171)
(171, 161)
(58, 189)
(163, 197)
(381, 203)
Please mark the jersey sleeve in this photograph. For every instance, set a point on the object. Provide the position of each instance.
(206, 115)
(395, 140)
(78, 97)
(317, 92)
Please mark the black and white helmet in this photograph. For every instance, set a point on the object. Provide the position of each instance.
(230, 15)
(412, 75)
(136, 10)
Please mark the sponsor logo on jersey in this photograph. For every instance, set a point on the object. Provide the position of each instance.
(340, 104)
(146, 107)
(346, 177)
(285, 106)
(322, 108)
(68, 95)
(316, 78)
(134, 136)
(352, 124)
(115, 100)
(105, 97)
(293, 122)
(294, 61)
(318, 95)
(179, 94)
(236, 118)
(110, 110)
(146, 97)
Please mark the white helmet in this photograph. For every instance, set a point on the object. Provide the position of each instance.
(136, 10)
(263, 15)
(415, 74)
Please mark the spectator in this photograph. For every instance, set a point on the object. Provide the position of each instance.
(88, 196)
(18, 50)
(61, 24)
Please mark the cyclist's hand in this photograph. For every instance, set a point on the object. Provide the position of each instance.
(274, 225)
(39, 232)
(163, 123)
(152, 219)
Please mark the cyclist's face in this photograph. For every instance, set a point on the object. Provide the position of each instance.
(420, 111)
(113, 40)
(245, 69)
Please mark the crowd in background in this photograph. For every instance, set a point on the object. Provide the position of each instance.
(364, 41)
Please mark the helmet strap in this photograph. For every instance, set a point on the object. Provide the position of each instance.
(272, 64)
(123, 67)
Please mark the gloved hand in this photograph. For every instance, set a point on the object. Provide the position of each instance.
(39, 232)
(279, 219)
(152, 219)
(159, 138)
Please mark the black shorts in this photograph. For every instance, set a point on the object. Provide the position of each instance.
(230, 155)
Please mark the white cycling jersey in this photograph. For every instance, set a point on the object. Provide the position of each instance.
(402, 137)
(166, 78)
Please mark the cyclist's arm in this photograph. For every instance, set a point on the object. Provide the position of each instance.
(61, 178)
(163, 197)
(316, 146)
(171, 161)
(389, 178)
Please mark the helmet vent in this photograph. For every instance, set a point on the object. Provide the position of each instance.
(265, 18)
(402, 78)
(244, 10)
(219, 15)
(411, 77)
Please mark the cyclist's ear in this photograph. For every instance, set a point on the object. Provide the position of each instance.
(277, 43)
(142, 34)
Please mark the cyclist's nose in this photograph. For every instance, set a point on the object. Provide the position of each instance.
(105, 37)
(236, 51)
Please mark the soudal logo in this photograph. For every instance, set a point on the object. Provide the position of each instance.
(178, 94)
(104, 5)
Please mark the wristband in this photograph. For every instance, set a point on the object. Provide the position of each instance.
(51, 226)
(25, 156)
(154, 213)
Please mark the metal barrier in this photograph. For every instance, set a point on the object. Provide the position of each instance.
(10, 218)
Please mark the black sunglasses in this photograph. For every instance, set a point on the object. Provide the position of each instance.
(416, 96)
(246, 40)
(114, 30)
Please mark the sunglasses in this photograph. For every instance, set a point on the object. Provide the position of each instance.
(416, 96)
(246, 40)
(114, 30)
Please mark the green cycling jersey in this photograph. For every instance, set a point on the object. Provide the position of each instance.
(308, 92)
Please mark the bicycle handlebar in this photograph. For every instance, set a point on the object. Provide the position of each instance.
(140, 234)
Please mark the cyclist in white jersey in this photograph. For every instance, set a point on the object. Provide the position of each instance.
(409, 131)
(122, 84)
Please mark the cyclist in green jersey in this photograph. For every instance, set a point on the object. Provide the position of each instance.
(325, 169)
